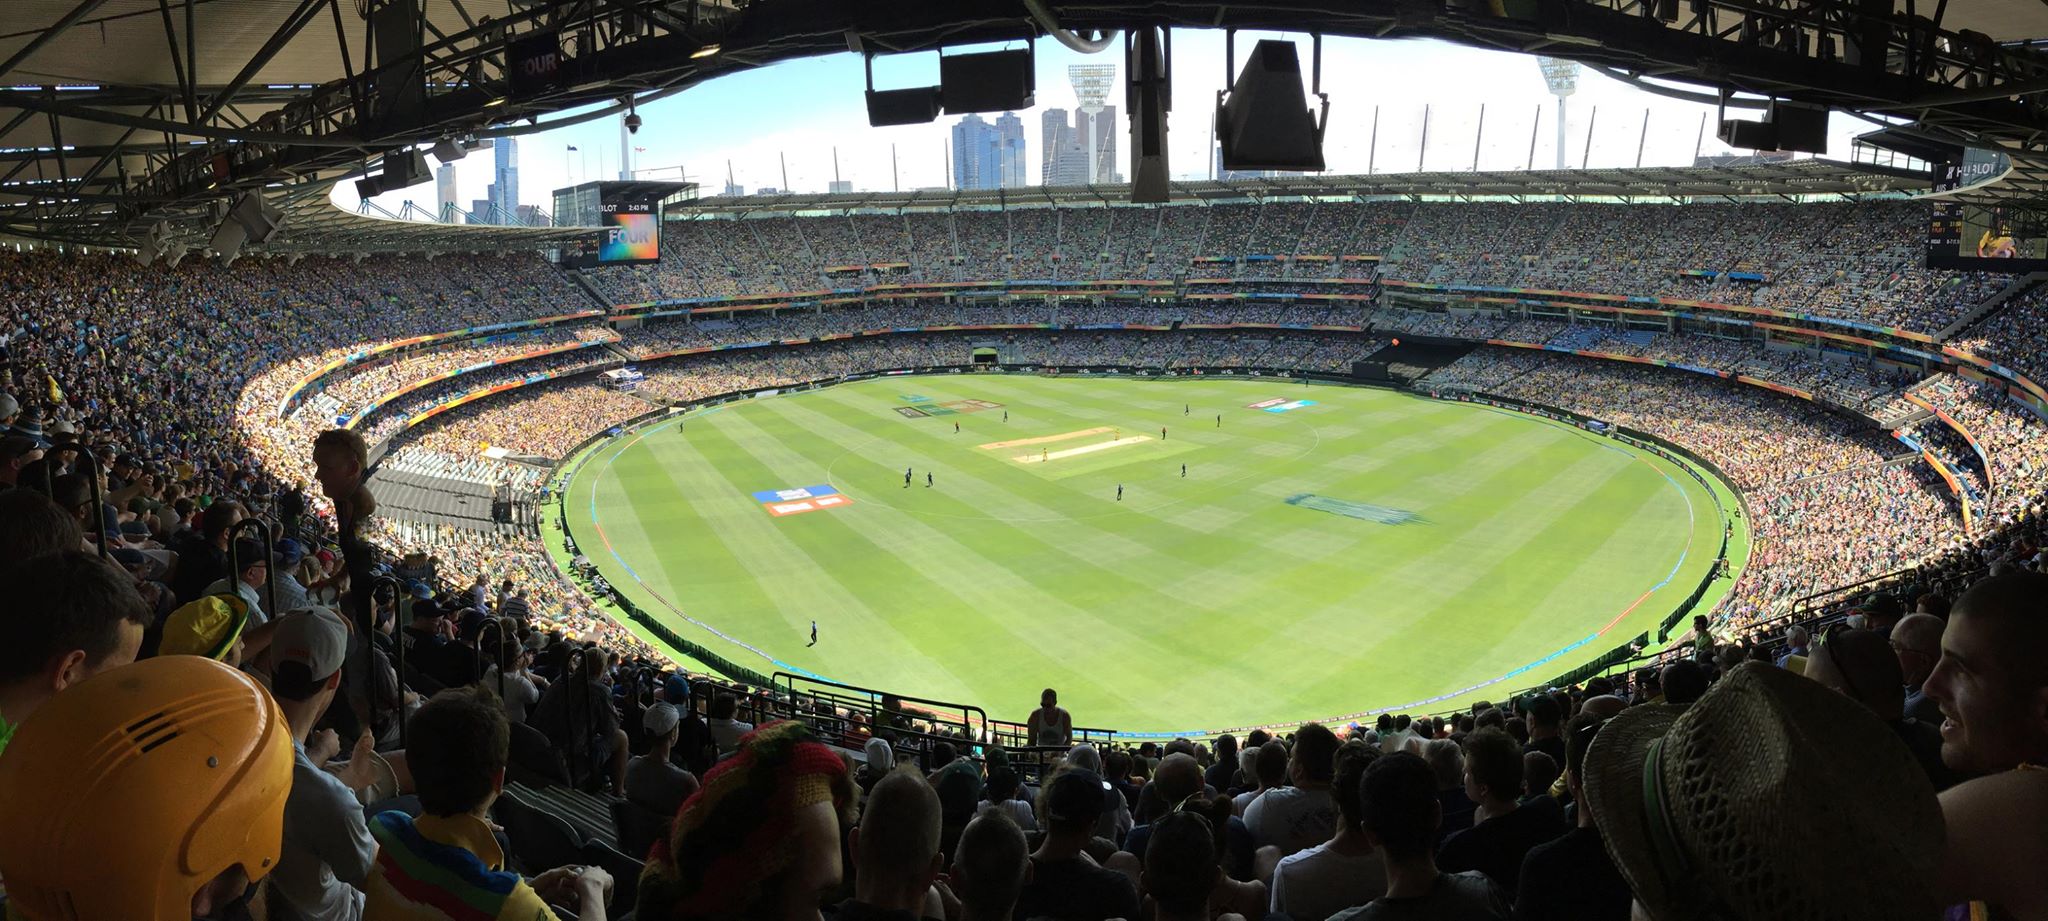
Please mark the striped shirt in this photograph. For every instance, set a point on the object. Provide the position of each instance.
(515, 608)
(445, 868)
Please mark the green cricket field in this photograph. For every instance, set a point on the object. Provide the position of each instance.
(1173, 555)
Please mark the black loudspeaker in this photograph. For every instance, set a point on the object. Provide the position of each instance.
(403, 168)
(447, 151)
(1799, 127)
(249, 219)
(1748, 135)
(401, 100)
(1265, 123)
(990, 81)
(914, 106)
(256, 216)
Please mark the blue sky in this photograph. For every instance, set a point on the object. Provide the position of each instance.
(800, 111)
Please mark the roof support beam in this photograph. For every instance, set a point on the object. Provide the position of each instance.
(187, 80)
(82, 10)
(286, 31)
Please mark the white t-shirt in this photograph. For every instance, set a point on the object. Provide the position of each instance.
(1243, 801)
(1020, 812)
(1291, 818)
(727, 734)
(520, 693)
(1314, 884)
(327, 851)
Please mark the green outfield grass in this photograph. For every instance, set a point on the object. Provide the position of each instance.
(1195, 603)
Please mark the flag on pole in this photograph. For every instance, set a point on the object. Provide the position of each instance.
(639, 150)
(572, 147)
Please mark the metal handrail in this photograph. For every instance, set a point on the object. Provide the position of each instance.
(397, 648)
(264, 533)
(491, 625)
(99, 500)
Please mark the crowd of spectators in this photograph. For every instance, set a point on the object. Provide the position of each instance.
(285, 783)
(545, 420)
(1861, 262)
(2014, 439)
(1828, 500)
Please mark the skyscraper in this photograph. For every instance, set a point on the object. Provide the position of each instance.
(505, 179)
(1105, 146)
(977, 154)
(1010, 151)
(444, 192)
(1052, 136)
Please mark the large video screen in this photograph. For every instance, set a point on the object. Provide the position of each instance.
(631, 232)
(1986, 238)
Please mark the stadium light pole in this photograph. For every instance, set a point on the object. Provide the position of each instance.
(1092, 83)
(1563, 79)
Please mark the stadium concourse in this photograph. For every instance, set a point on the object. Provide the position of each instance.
(186, 451)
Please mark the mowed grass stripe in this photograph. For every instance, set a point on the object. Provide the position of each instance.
(958, 582)
(806, 578)
(1310, 550)
(1114, 601)
(1087, 542)
(1487, 454)
(642, 509)
(1414, 604)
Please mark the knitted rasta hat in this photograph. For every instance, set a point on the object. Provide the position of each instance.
(735, 834)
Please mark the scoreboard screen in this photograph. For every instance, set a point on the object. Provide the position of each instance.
(631, 232)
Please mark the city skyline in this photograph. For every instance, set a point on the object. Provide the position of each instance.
(1380, 90)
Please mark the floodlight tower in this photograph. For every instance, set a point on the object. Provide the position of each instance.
(1563, 79)
(1092, 83)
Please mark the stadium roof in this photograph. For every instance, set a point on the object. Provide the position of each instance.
(118, 115)
(1786, 179)
(314, 225)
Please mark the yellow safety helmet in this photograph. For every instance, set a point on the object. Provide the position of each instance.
(124, 795)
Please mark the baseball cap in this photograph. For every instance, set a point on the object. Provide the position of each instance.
(208, 627)
(152, 567)
(420, 590)
(1075, 796)
(61, 427)
(14, 446)
(8, 405)
(313, 636)
(660, 719)
(135, 530)
(675, 688)
(289, 553)
(250, 553)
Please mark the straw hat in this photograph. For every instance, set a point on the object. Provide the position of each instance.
(1772, 797)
